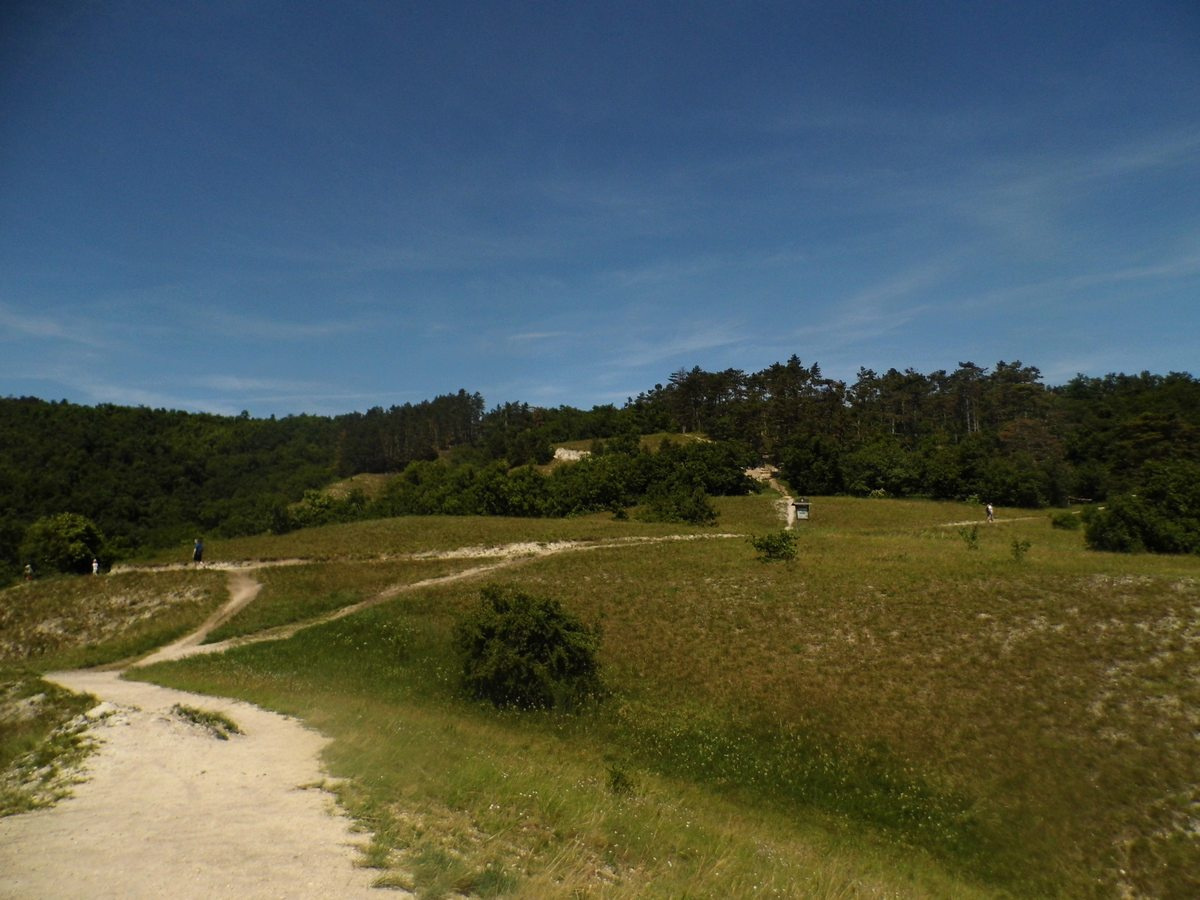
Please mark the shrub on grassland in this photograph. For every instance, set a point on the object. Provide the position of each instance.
(1066, 521)
(778, 545)
(527, 652)
(678, 503)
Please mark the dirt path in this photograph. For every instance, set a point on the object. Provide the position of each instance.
(170, 810)
(242, 590)
(998, 521)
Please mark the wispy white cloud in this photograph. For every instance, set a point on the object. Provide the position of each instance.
(675, 342)
(1031, 200)
(18, 325)
(861, 326)
(1182, 265)
(1147, 153)
(88, 384)
(530, 337)
(666, 272)
(240, 384)
(1083, 286)
(238, 325)
(879, 309)
(904, 285)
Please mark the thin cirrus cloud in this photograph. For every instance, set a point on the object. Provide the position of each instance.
(102, 387)
(16, 325)
(885, 307)
(1185, 265)
(1086, 285)
(642, 351)
(270, 329)
(1029, 198)
(240, 384)
(535, 337)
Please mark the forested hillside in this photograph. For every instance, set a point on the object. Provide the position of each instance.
(161, 477)
(153, 477)
(1000, 433)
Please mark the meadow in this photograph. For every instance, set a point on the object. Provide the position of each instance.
(912, 707)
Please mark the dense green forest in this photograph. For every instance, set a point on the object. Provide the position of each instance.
(158, 477)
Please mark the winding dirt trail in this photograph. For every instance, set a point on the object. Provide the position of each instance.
(168, 810)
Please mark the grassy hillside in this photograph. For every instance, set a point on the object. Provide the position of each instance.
(913, 707)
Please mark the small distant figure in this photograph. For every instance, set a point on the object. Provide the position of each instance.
(991, 513)
(95, 566)
(198, 552)
(29, 571)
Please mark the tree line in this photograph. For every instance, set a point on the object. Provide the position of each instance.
(672, 482)
(998, 434)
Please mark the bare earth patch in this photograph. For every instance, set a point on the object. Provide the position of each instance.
(166, 809)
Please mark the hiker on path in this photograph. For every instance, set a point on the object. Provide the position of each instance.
(198, 552)
(991, 513)
(95, 566)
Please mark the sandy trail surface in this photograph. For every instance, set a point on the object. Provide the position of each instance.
(169, 810)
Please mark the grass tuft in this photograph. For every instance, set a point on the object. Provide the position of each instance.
(41, 741)
(215, 723)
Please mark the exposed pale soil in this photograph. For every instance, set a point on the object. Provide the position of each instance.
(166, 809)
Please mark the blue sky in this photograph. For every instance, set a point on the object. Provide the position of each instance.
(324, 207)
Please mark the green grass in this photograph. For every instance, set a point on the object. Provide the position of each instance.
(463, 798)
(81, 621)
(298, 593)
(370, 484)
(377, 539)
(890, 713)
(38, 745)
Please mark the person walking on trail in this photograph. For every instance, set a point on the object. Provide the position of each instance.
(95, 566)
(198, 552)
(991, 513)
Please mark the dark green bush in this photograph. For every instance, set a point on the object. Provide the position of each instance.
(322, 508)
(779, 545)
(1066, 521)
(527, 652)
(1162, 516)
(66, 542)
(677, 503)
